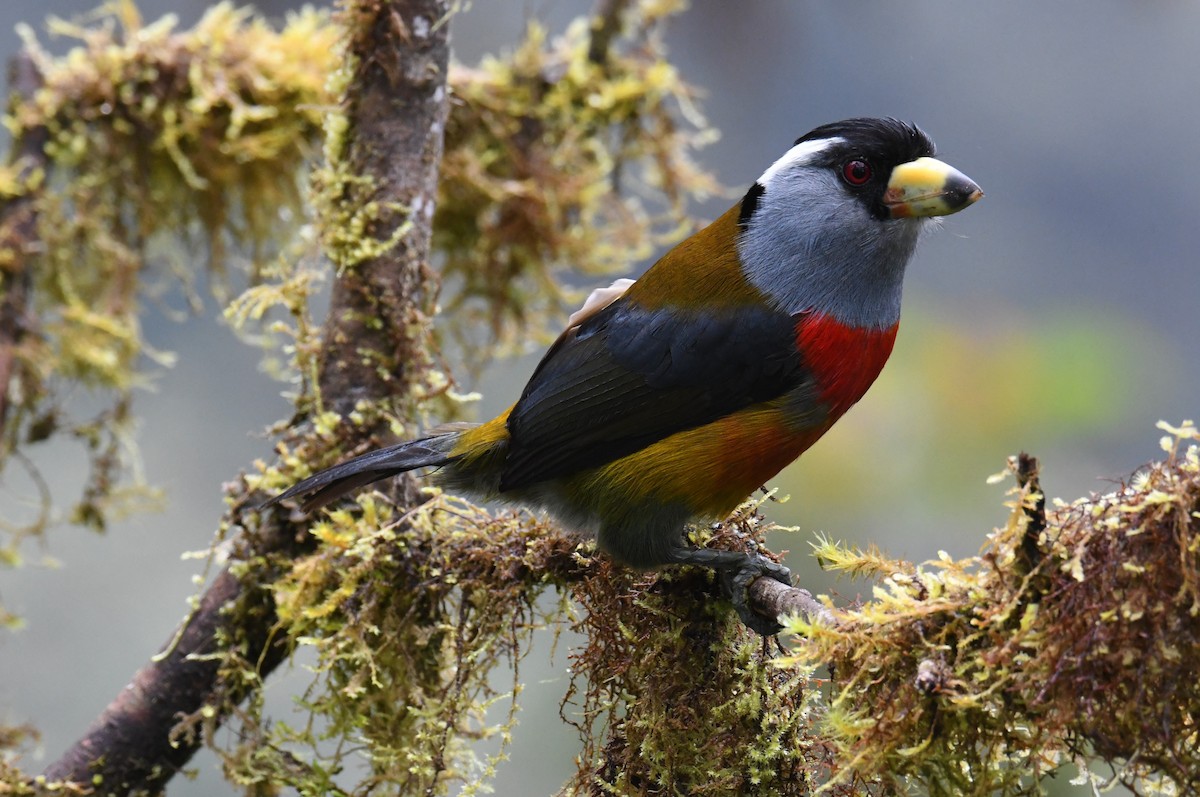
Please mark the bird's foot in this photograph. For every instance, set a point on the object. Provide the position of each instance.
(737, 582)
(738, 571)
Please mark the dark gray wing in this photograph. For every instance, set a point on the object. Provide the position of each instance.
(628, 377)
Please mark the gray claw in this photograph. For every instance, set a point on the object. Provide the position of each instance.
(737, 571)
(738, 581)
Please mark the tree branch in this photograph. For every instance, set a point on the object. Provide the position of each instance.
(605, 26)
(131, 747)
(771, 598)
(396, 108)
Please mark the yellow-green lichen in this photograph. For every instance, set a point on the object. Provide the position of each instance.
(408, 614)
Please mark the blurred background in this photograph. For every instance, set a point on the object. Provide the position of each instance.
(1059, 316)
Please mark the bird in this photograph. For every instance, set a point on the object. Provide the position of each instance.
(670, 399)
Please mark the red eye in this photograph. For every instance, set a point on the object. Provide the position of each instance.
(856, 172)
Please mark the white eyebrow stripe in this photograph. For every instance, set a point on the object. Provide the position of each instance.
(801, 153)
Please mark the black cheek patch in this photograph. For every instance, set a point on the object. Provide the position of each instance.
(750, 204)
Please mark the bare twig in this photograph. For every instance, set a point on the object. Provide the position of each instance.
(605, 26)
(1026, 469)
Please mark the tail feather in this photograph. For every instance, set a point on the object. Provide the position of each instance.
(322, 488)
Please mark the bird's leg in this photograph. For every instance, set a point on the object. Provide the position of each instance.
(738, 570)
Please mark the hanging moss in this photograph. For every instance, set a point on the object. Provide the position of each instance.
(160, 136)
(561, 161)
(156, 137)
(407, 622)
(409, 614)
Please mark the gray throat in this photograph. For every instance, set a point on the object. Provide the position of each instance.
(837, 261)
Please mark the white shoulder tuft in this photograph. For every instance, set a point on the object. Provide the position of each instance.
(597, 300)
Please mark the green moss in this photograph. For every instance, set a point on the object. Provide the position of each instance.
(983, 676)
(203, 137)
(408, 616)
(559, 162)
(672, 695)
(156, 137)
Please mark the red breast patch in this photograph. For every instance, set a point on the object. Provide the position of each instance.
(845, 360)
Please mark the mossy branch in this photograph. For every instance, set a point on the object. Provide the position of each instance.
(1074, 633)
(149, 732)
(231, 641)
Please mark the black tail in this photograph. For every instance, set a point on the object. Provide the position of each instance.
(321, 488)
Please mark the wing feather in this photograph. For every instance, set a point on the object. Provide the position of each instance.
(630, 376)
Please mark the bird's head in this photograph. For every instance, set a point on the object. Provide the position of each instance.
(831, 225)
